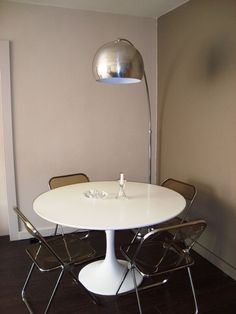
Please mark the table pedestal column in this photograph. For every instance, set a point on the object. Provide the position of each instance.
(104, 276)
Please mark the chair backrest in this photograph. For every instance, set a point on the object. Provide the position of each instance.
(35, 233)
(164, 241)
(28, 225)
(63, 180)
(188, 191)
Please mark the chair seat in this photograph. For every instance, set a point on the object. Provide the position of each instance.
(69, 248)
(174, 258)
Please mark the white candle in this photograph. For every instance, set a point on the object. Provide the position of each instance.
(121, 179)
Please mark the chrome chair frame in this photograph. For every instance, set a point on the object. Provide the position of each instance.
(52, 259)
(63, 180)
(174, 240)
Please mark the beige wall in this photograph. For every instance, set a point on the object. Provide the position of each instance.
(64, 121)
(197, 100)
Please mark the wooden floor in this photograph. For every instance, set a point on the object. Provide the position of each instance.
(216, 292)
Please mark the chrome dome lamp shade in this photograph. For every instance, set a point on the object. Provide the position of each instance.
(119, 62)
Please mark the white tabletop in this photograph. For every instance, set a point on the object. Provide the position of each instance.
(146, 205)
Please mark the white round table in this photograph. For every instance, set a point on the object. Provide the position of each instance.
(144, 206)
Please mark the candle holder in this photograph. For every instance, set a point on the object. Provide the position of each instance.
(121, 193)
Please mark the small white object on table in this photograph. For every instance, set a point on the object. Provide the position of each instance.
(144, 206)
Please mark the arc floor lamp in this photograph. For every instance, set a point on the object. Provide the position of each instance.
(119, 62)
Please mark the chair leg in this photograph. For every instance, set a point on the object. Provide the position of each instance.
(193, 291)
(54, 291)
(55, 231)
(137, 234)
(23, 292)
(123, 279)
(94, 299)
(136, 290)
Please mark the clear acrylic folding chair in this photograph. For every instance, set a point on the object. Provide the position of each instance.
(60, 253)
(63, 180)
(161, 252)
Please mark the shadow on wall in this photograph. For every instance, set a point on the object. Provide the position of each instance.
(217, 56)
(217, 239)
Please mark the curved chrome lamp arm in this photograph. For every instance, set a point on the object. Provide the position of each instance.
(126, 40)
(119, 62)
(149, 118)
(149, 129)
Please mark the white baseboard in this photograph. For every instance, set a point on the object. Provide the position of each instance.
(228, 269)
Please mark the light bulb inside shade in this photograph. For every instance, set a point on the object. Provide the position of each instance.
(118, 80)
